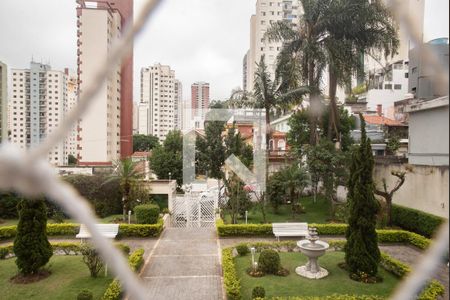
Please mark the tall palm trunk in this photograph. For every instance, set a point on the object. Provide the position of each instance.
(333, 124)
(314, 103)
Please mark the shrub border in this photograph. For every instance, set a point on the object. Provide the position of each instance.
(114, 290)
(68, 229)
(384, 236)
(432, 291)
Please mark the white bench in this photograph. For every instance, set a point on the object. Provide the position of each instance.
(289, 229)
(107, 230)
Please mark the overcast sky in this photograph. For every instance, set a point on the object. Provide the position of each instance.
(202, 40)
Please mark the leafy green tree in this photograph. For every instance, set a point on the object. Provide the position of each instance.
(31, 246)
(142, 142)
(393, 144)
(362, 255)
(299, 133)
(215, 150)
(326, 164)
(128, 175)
(235, 144)
(72, 160)
(275, 191)
(167, 159)
(238, 199)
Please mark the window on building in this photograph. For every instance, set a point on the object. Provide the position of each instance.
(388, 86)
(397, 86)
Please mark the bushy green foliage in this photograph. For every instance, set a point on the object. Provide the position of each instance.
(85, 295)
(415, 220)
(105, 197)
(238, 199)
(434, 290)
(136, 259)
(5, 251)
(92, 259)
(142, 142)
(333, 297)
(168, 158)
(269, 261)
(258, 292)
(8, 206)
(230, 278)
(113, 292)
(7, 232)
(242, 249)
(31, 246)
(141, 231)
(243, 229)
(362, 255)
(147, 214)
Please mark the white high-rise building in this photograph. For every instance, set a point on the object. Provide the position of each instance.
(38, 100)
(267, 12)
(72, 100)
(3, 102)
(178, 105)
(159, 98)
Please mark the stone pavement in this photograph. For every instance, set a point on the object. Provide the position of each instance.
(184, 265)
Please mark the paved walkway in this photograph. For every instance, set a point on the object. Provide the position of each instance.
(184, 265)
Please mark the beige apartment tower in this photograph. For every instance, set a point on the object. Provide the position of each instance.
(3, 102)
(267, 12)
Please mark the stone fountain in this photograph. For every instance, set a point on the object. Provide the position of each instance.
(313, 249)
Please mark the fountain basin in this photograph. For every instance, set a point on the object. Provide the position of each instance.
(313, 249)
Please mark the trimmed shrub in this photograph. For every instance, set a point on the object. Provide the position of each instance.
(147, 214)
(416, 221)
(31, 246)
(92, 259)
(394, 266)
(7, 232)
(126, 230)
(434, 290)
(230, 278)
(242, 249)
(85, 295)
(62, 229)
(269, 261)
(258, 292)
(136, 259)
(114, 290)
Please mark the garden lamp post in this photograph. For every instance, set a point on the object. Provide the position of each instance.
(170, 176)
(254, 263)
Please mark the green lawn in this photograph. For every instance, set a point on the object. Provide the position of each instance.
(69, 276)
(315, 213)
(337, 281)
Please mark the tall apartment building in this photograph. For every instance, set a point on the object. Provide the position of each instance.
(72, 100)
(159, 99)
(178, 108)
(105, 131)
(38, 100)
(199, 99)
(3, 102)
(267, 12)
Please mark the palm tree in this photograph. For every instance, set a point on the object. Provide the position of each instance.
(294, 180)
(333, 33)
(127, 174)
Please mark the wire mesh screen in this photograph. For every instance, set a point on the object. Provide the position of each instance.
(29, 173)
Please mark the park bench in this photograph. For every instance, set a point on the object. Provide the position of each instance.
(107, 230)
(289, 229)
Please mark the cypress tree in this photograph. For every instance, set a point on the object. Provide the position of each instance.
(362, 255)
(31, 246)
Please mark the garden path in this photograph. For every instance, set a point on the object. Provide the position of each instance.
(184, 264)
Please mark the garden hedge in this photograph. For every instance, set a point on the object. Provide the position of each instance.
(230, 278)
(114, 290)
(125, 230)
(416, 221)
